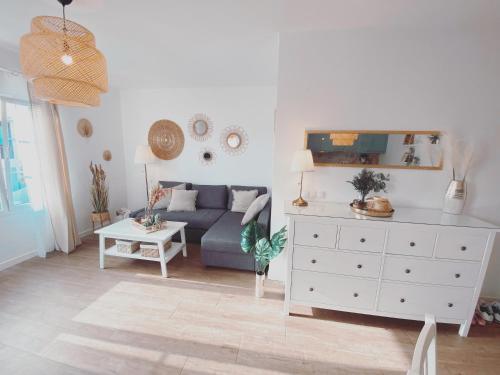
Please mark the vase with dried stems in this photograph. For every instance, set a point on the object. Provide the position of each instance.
(150, 221)
(461, 160)
(99, 195)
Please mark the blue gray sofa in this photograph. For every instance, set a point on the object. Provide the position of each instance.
(214, 225)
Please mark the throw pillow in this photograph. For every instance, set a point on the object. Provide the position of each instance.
(242, 199)
(183, 200)
(167, 196)
(257, 205)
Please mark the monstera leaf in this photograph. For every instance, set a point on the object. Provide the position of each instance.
(263, 250)
(278, 242)
(250, 234)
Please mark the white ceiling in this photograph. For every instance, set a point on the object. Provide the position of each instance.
(161, 43)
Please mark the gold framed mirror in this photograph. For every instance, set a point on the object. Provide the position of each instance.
(200, 127)
(400, 149)
(234, 140)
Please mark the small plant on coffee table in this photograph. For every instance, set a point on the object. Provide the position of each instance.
(365, 182)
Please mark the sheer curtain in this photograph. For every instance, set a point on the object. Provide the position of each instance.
(54, 173)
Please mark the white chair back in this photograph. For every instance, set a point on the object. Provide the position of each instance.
(424, 357)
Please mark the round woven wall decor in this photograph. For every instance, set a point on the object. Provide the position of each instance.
(166, 139)
(106, 155)
(84, 128)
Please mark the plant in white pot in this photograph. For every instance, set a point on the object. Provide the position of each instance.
(255, 241)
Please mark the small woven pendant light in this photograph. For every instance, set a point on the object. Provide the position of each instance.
(60, 58)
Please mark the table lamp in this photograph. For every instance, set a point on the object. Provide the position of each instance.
(302, 162)
(144, 155)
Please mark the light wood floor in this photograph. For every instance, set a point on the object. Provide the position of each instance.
(62, 315)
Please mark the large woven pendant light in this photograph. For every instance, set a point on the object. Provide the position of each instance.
(61, 60)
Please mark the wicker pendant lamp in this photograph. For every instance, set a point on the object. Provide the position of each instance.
(61, 60)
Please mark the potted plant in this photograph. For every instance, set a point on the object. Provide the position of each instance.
(365, 182)
(99, 194)
(255, 241)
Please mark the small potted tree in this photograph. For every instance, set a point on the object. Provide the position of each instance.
(255, 241)
(364, 183)
(99, 195)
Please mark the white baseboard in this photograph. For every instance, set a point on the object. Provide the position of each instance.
(13, 261)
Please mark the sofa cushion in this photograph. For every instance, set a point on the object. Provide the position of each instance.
(183, 200)
(202, 218)
(169, 184)
(211, 196)
(225, 234)
(260, 190)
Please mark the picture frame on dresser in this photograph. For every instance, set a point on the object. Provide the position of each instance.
(420, 261)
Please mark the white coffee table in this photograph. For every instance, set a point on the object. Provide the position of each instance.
(125, 230)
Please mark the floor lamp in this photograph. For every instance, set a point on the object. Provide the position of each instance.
(144, 155)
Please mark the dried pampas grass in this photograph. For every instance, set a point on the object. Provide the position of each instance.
(461, 151)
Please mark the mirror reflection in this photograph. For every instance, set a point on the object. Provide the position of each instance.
(233, 140)
(200, 127)
(377, 149)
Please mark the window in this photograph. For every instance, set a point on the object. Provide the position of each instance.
(17, 152)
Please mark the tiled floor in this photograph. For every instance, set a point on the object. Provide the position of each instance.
(63, 315)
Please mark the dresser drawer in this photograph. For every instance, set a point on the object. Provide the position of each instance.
(362, 238)
(338, 262)
(315, 234)
(411, 242)
(325, 289)
(431, 271)
(458, 246)
(443, 302)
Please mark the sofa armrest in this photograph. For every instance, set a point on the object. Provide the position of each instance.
(264, 218)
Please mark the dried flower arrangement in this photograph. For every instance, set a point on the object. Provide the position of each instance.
(98, 189)
(151, 222)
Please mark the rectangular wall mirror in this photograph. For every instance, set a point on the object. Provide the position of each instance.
(403, 149)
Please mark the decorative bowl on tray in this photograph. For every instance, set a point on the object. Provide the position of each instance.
(374, 206)
(149, 224)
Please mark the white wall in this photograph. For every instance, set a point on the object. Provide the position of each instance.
(373, 80)
(249, 107)
(107, 134)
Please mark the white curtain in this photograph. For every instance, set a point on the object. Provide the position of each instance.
(54, 174)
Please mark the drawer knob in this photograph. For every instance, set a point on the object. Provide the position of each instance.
(412, 244)
(407, 270)
(355, 294)
(311, 289)
(359, 266)
(463, 248)
(313, 261)
(457, 276)
(362, 240)
(402, 300)
(450, 304)
(315, 235)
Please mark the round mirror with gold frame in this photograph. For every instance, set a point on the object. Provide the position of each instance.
(200, 127)
(234, 140)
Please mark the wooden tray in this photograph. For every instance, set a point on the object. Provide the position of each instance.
(372, 213)
(150, 229)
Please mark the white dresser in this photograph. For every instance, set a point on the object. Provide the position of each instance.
(419, 261)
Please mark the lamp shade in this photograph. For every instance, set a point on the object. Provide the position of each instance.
(60, 58)
(302, 161)
(144, 155)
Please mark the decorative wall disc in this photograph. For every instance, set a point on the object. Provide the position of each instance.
(106, 155)
(166, 139)
(234, 140)
(200, 127)
(84, 128)
(207, 156)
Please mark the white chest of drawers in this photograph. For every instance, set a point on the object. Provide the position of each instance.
(419, 261)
